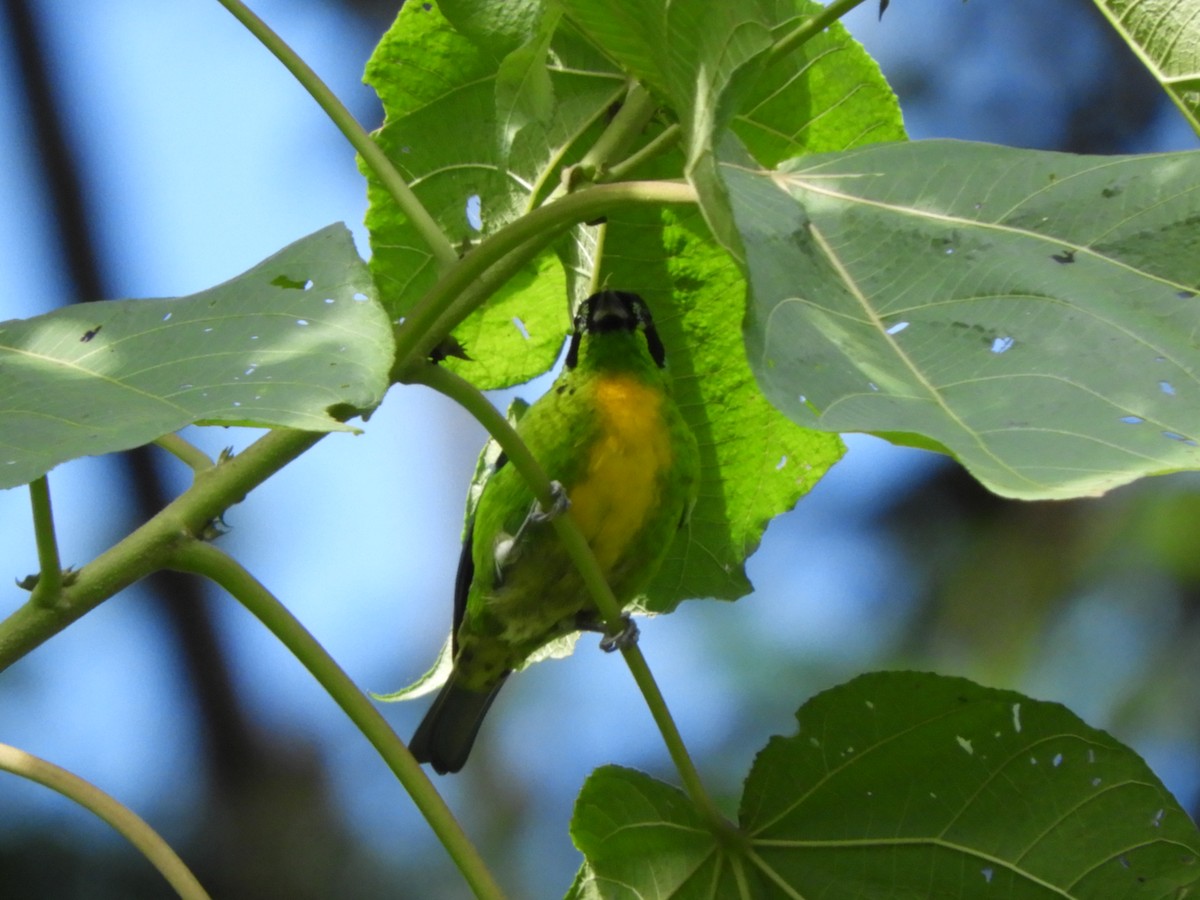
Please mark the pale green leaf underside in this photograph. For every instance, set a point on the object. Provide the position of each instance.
(1035, 314)
(905, 785)
(1166, 35)
(278, 346)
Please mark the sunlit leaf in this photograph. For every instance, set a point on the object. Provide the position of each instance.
(1167, 38)
(475, 173)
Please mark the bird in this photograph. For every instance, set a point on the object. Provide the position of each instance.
(625, 467)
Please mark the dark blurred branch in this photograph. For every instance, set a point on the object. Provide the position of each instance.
(258, 784)
(180, 599)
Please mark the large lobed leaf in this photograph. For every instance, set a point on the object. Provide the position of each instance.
(1034, 314)
(904, 785)
(281, 345)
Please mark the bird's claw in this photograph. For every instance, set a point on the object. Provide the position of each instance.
(560, 505)
(626, 637)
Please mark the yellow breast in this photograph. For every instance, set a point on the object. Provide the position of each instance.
(620, 486)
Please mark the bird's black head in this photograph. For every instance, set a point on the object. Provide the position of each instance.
(610, 311)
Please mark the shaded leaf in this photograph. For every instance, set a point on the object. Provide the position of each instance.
(905, 785)
(524, 91)
(1034, 314)
(908, 784)
(643, 838)
(280, 345)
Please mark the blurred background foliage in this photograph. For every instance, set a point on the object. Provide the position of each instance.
(152, 149)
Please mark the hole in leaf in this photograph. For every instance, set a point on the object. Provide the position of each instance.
(474, 211)
(1002, 344)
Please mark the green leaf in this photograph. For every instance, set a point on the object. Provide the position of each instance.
(643, 838)
(905, 785)
(1034, 313)
(444, 134)
(755, 464)
(696, 55)
(499, 27)
(524, 91)
(281, 345)
(828, 94)
(1167, 38)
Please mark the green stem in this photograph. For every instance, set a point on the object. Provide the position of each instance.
(519, 456)
(629, 122)
(660, 145)
(186, 452)
(49, 584)
(372, 154)
(127, 823)
(443, 307)
(145, 549)
(810, 27)
(204, 559)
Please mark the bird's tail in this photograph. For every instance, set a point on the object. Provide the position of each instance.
(446, 734)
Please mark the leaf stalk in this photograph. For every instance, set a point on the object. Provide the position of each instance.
(50, 578)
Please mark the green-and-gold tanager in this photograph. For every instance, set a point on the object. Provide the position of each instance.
(609, 432)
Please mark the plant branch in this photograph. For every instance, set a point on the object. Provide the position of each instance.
(204, 559)
(448, 302)
(519, 456)
(50, 580)
(371, 153)
(127, 823)
(810, 27)
(145, 549)
(661, 144)
(629, 122)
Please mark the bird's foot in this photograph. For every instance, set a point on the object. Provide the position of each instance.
(626, 637)
(560, 505)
